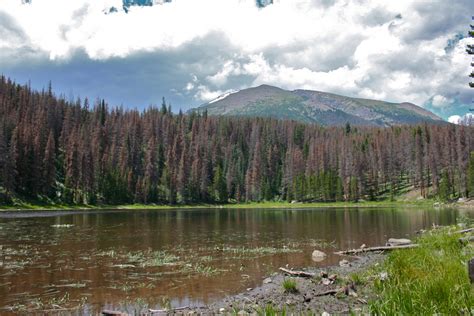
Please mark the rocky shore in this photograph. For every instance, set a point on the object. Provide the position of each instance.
(332, 290)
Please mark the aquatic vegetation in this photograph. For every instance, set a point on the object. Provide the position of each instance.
(258, 250)
(62, 225)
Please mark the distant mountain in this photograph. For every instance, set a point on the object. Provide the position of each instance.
(316, 107)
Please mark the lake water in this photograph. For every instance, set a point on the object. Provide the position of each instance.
(131, 260)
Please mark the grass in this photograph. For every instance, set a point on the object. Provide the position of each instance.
(430, 279)
(34, 206)
(289, 286)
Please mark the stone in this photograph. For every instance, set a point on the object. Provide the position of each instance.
(326, 282)
(383, 276)
(398, 241)
(318, 256)
(267, 281)
(344, 263)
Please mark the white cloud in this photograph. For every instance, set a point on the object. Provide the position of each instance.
(466, 119)
(440, 101)
(455, 119)
(393, 51)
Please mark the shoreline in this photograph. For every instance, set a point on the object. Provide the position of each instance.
(308, 298)
(26, 207)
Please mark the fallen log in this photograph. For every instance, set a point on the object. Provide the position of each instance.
(153, 311)
(113, 313)
(302, 274)
(369, 249)
(330, 292)
(464, 231)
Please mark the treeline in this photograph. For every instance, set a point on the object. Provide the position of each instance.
(78, 152)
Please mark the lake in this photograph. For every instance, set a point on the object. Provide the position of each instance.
(132, 260)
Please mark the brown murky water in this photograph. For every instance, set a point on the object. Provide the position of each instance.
(83, 262)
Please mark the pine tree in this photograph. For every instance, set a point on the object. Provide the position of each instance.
(49, 167)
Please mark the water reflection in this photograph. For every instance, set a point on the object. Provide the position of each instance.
(97, 259)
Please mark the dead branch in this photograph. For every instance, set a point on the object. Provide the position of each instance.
(380, 248)
(302, 274)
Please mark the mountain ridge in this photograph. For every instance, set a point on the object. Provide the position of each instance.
(316, 107)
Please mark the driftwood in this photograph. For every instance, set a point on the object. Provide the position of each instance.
(153, 311)
(113, 313)
(330, 292)
(302, 274)
(381, 248)
(348, 290)
(464, 231)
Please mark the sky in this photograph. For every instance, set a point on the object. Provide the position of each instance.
(192, 51)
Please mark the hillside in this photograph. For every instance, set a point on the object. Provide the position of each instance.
(316, 107)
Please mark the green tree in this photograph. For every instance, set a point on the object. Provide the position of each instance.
(444, 187)
(219, 186)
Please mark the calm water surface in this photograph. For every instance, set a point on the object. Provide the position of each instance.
(124, 259)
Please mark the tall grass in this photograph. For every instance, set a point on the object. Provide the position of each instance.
(431, 279)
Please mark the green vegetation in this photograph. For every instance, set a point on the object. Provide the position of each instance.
(289, 286)
(23, 206)
(430, 279)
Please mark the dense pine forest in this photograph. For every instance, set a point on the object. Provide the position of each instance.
(85, 152)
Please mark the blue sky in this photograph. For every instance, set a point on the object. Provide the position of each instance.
(192, 51)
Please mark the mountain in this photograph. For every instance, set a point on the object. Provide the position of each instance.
(316, 107)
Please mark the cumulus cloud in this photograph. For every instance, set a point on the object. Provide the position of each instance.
(396, 51)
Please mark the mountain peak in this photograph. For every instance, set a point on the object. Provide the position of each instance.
(316, 107)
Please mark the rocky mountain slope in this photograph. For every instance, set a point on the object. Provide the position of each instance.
(316, 107)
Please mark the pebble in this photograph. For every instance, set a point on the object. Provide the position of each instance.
(267, 280)
(344, 263)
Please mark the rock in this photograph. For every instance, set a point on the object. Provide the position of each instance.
(267, 281)
(436, 204)
(398, 241)
(461, 200)
(249, 289)
(294, 202)
(352, 293)
(363, 246)
(325, 314)
(318, 256)
(383, 276)
(323, 274)
(221, 310)
(326, 282)
(332, 277)
(344, 263)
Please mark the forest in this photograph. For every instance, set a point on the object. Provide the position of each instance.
(83, 152)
